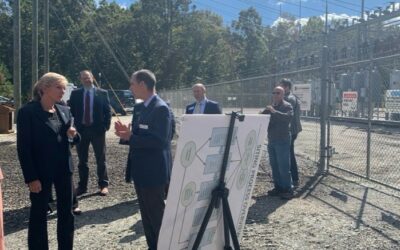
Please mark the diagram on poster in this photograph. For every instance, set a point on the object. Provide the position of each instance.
(195, 174)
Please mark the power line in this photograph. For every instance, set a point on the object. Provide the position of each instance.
(107, 45)
(277, 11)
(72, 41)
(109, 38)
(304, 7)
(233, 7)
(352, 4)
(342, 6)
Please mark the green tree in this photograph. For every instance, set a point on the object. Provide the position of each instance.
(314, 26)
(6, 88)
(201, 50)
(250, 43)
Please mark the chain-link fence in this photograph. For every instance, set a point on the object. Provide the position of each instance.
(362, 110)
(365, 101)
(250, 96)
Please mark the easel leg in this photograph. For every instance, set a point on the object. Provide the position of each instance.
(231, 226)
(203, 226)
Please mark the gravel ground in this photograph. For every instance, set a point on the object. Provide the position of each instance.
(331, 211)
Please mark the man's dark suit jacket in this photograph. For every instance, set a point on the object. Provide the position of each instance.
(40, 152)
(149, 146)
(101, 109)
(210, 108)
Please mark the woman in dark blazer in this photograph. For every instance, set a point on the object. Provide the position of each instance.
(44, 135)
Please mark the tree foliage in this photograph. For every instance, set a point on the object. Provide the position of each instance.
(180, 43)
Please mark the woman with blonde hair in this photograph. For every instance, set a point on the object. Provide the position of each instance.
(44, 134)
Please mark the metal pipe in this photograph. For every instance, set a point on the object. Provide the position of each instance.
(369, 128)
(323, 111)
(46, 36)
(34, 42)
(17, 54)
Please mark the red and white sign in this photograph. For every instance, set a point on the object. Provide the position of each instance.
(349, 101)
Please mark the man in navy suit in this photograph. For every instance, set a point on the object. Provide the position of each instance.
(149, 151)
(91, 108)
(202, 104)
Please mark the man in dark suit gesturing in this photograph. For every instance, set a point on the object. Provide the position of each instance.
(91, 108)
(202, 104)
(149, 151)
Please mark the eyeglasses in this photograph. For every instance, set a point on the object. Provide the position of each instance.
(276, 93)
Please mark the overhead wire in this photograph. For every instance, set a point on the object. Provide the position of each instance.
(72, 41)
(107, 45)
(304, 7)
(236, 15)
(277, 11)
(109, 38)
(352, 4)
(255, 70)
(342, 6)
(69, 36)
(81, 57)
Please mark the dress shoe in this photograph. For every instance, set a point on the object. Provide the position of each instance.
(77, 211)
(274, 192)
(103, 191)
(287, 195)
(80, 191)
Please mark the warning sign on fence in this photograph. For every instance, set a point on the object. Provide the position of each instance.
(303, 92)
(349, 101)
(392, 100)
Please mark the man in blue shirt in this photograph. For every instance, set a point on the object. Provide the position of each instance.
(202, 104)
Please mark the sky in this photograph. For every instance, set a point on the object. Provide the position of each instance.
(270, 9)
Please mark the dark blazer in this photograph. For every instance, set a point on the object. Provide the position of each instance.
(40, 152)
(149, 157)
(210, 108)
(295, 124)
(101, 109)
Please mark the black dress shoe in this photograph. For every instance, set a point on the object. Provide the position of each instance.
(80, 191)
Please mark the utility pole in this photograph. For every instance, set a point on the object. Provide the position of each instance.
(362, 9)
(34, 42)
(326, 22)
(46, 36)
(300, 17)
(17, 54)
(359, 32)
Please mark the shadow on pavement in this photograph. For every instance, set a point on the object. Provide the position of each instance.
(16, 220)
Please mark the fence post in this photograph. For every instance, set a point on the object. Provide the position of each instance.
(323, 109)
(328, 122)
(241, 96)
(370, 113)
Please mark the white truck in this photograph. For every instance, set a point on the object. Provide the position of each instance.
(68, 90)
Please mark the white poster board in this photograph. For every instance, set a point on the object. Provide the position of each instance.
(349, 101)
(195, 174)
(303, 92)
(392, 101)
